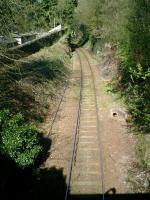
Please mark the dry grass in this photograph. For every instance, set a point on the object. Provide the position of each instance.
(33, 86)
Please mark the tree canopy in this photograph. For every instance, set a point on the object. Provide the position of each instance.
(22, 16)
(126, 25)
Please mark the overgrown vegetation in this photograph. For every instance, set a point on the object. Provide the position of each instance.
(29, 15)
(29, 88)
(32, 16)
(125, 27)
(19, 141)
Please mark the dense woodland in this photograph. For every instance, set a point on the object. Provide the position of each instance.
(125, 24)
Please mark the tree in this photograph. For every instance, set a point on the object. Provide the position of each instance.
(66, 10)
(135, 67)
(126, 25)
(18, 140)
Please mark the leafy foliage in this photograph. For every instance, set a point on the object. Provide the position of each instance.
(18, 140)
(135, 63)
(124, 24)
(67, 10)
(22, 16)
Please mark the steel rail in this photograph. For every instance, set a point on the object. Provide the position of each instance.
(75, 140)
(58, 108)
(98, 127)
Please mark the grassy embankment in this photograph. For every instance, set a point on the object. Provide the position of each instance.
(32, 87)
(109, 66)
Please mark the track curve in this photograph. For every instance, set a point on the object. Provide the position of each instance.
(86, 174)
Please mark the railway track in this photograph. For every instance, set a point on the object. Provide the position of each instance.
(86, 174)
(58, 108)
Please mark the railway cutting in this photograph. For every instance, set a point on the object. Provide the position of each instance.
(86, 170)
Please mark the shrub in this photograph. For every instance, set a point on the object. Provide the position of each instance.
(18, 140)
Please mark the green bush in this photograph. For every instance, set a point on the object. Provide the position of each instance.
(18, 140)
(135, 62)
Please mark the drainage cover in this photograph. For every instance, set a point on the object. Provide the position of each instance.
(118, 113)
